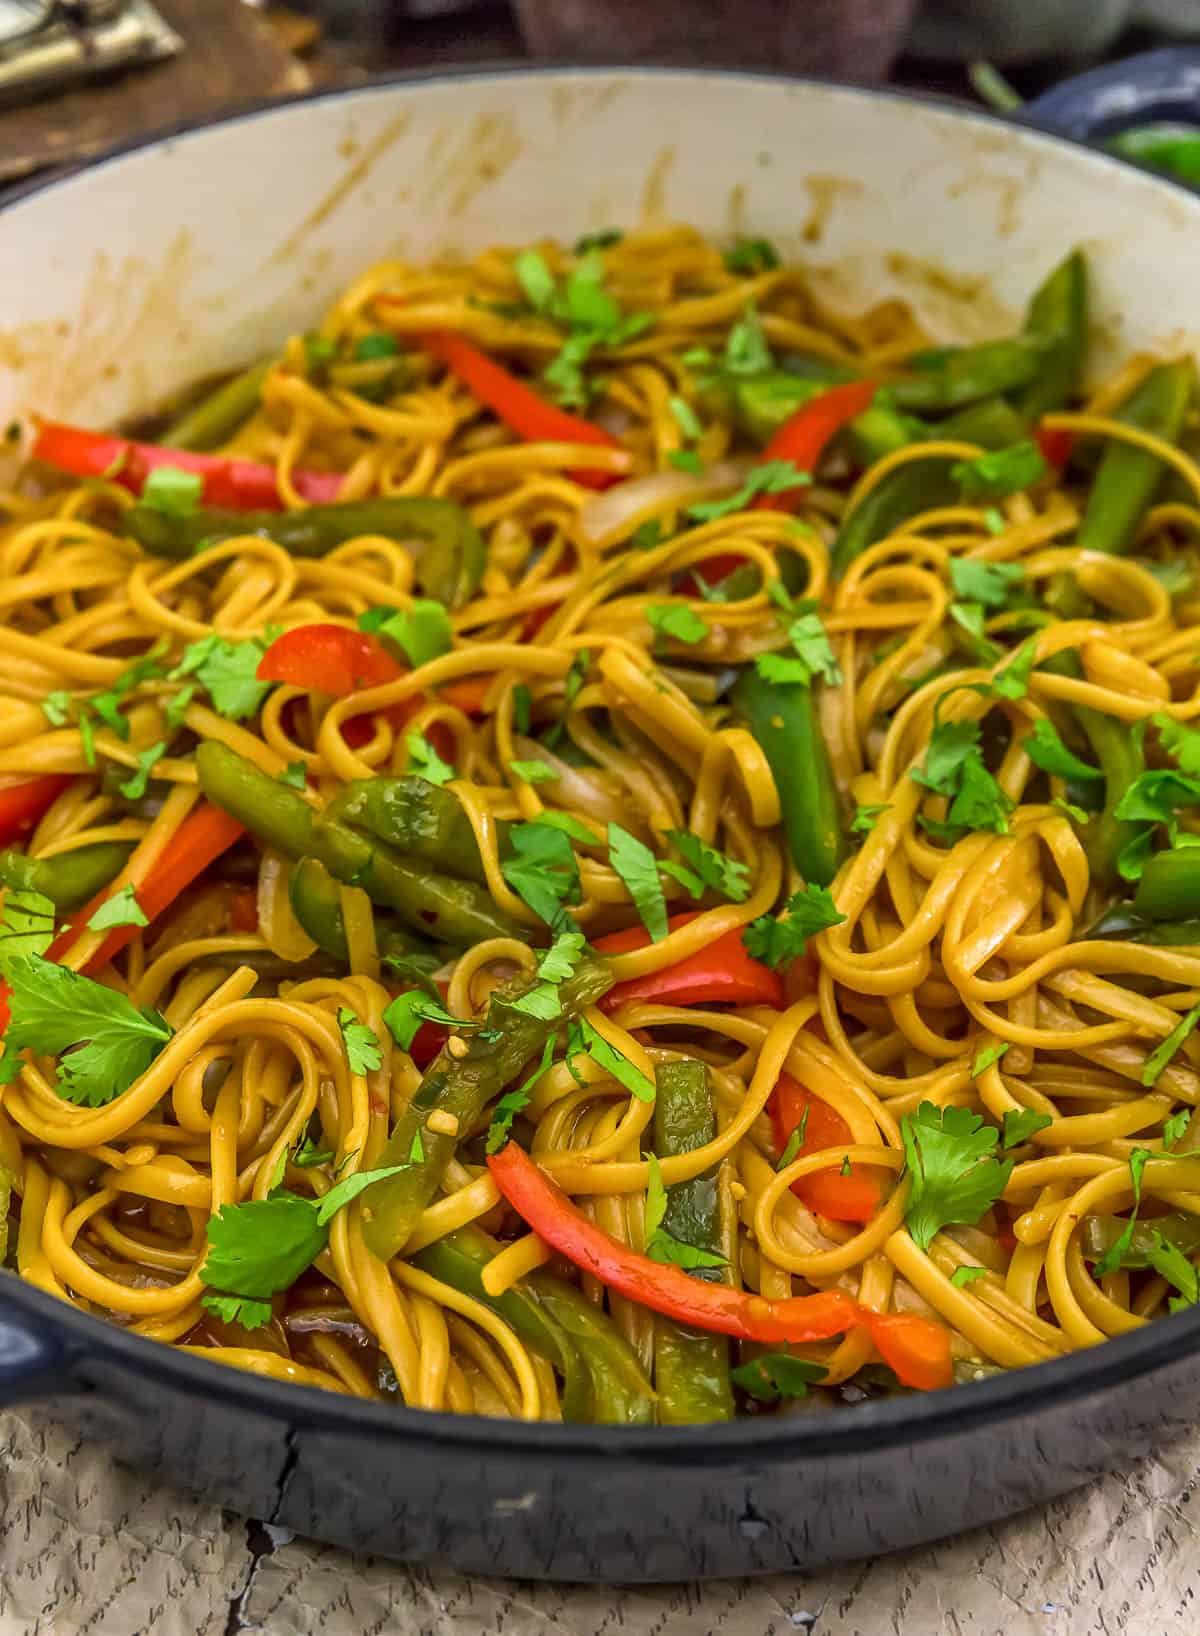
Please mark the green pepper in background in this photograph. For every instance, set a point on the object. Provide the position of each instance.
(691, 1368)
(1173, 150)
(1169, 889)
(957, 376)
(462, 1086)
(1123, 924)
(914, 487)
(432, 904)
(1128, 477)
(784, 719)
(317, 905)
(220, 413)
(418, 818)
(70, 878)
(603, 1382)
(1058, 316)
(449, 565)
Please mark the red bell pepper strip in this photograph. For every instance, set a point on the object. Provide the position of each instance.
(842, 1198)
(1055, 444)
(241, 485)
(803, 436)
(199, 840)
(21, 805)
(521, 409)
(666, 1289)
(915, 1349)
(721, 974)
(329, 658)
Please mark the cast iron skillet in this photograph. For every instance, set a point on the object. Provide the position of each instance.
(605, 1504)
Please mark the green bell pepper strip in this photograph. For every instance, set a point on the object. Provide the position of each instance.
(1170, 885)
(418, 818)
(449, 565)
(218, 415)
(69, 879)
(1058, 315)
(957, 376)
(432, 904)
(1128, 477)
(317, 905)
(993, 423)
(691, 1367)
(603, 1382)
(463, 1086)
(1098, 1234)
(1123, 925)
(783, 718)
(916, 486)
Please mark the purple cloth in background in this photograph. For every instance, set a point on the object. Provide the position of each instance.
(853, 39)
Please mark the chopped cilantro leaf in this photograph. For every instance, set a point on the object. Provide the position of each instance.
(647, 535)
(1021, 1125)
(422, 631)
(294, 775)
(362, 1048)
(956, 1177)
(562, 957)
(228, 671)
(1174, 1127)
(1161, 1056)
(751, 256)
(534, 772)
(26, 924)
(675, 620)
(544, 873)
(121, 909)
(408, 1011)
(56, 707)
(135, 786)
(663, 1246)
(795, 1141)
(771, 477)
(1181, 743)
(1112, 1258)
(685, 416)
(773, 1375)
(522, 708)
(1046, 750)
(638, 868)
(962, 1276)
(379, 344)
(988, 583)
(712, 867)
(108, 1042)
(989, 1055)
(776, 942)
(686, 460)
(865, 818)
(514, 1102)
(582, 1037)
(746, 349)
(1001, 472)
(575, 679)
(238, 1309)
(424, 760)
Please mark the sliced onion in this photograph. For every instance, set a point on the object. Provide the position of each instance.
(621, 509)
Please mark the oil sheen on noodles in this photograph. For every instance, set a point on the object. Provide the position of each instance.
(692, 791)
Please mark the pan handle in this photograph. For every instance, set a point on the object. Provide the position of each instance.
(34, 1361)
(1152, 88)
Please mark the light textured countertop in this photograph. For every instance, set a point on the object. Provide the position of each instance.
(91, 1549)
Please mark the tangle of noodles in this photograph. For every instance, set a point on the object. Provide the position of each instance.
(960, 973)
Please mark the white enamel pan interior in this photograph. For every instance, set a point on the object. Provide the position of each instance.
(125, 281)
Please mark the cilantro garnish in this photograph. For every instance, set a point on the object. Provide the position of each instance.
(423, 631)
(522, 701)
(1001, 472)
(108, 1041)
(582, 305)
(174, 492)
(1159, 1058)
(424, 760)
(706, 866)
(26, 924)
(379, 344)
(514, 1102)
(135, 786)
(362, 1048)
(685, 416)
(1181, 743)
(1020, 1125)
(773, 1375)
(676, 620)
(544, 873)
(561, 958)
(1112, 1258)
(751, 256)
(988, 583)
(408, 1011)
(646, 536)
(121, 909)
(309, 1154)
(985, 1058)
(238, 1309)
(228, 671)
(534, 772)
(954, 767)
(962, 1276)
(374, 619)
(638, 868)
(1046, 750)
(685, 460)
(1012, 682)
(746, 349)
(1153, 799)
(1169, 1261)
(993, 521)
(56, 707)
(569, 826)
(294, 775)
(583, 1038)
(575, 678)
(795, 1141)
(770, 477)
(865, 818)
(956, 1176)
(811, 656)
(775, 942)
(1174, 1127)
(969, 617)
(661, 1245)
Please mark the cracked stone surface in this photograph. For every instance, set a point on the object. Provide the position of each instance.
(90, 1548)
